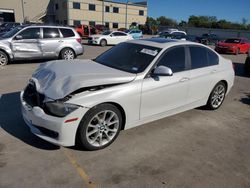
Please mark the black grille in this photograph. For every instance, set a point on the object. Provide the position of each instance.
(32, 97)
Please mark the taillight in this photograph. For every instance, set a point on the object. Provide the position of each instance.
(79, 40)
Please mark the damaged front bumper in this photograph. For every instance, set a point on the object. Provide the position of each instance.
(57, 130)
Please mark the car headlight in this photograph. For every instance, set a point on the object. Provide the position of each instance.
(60, 109)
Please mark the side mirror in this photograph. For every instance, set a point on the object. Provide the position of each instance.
(18, 37)
(111, 35)
(162, 71)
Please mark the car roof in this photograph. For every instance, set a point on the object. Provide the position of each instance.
(42, 26)
(162, 42)
(118, 32)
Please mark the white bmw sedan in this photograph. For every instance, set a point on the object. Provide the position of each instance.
(89, 101)
(109, 38)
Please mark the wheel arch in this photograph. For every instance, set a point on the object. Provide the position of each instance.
(4, 51)
(120, 108)
(104, 40)
(7, 54)
(66, 47)
(224, 82)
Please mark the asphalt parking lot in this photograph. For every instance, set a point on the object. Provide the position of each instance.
(197, 148)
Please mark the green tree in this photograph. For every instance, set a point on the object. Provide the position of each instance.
(164, 21)
(151, 21)
(183, 23)
(202, 21)
(223, 24)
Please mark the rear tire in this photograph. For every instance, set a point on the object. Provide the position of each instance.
(67, 54)
(4, 59)
(99, 127)
(247, 66)
(103, 43)
(217, 96)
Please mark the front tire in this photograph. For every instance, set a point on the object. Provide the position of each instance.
(99, 127)
(4, 60)
(67, 54)
(103, 42)
(217, 96)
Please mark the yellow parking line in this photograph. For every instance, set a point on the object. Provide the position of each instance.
(79, 169)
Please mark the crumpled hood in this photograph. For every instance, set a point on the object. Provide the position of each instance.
(57, 79)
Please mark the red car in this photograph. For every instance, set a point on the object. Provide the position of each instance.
(233, 46)
(86, 30)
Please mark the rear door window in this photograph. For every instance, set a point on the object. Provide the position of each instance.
(198, 57)
(67, 33)
(119, 34)
(213, 58)
(50, 33)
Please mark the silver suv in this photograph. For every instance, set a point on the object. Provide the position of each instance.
(39, 42)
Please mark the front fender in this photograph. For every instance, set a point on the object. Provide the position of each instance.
(7, 49)
(78, 49)
(126, 95)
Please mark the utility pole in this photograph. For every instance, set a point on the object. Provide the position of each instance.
(102, 12)
(23, 10)
(126, 17)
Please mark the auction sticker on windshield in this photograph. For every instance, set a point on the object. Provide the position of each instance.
(149, 52)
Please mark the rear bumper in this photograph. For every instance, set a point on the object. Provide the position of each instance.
(50, 128)
(79, 50)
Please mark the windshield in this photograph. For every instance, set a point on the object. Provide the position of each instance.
(11, 33)
(129, 57)
(165, 35)
(232, 41)
(106, 32)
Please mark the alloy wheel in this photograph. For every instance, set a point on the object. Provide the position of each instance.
(218, 96)
(68, 54)
(102, 128)
(3, 59)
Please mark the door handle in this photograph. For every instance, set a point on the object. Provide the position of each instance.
(60, 41)
(184, 79)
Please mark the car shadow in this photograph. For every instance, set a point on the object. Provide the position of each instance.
(12, 122)
(31, 61)
(246, 99)
(239, 69)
